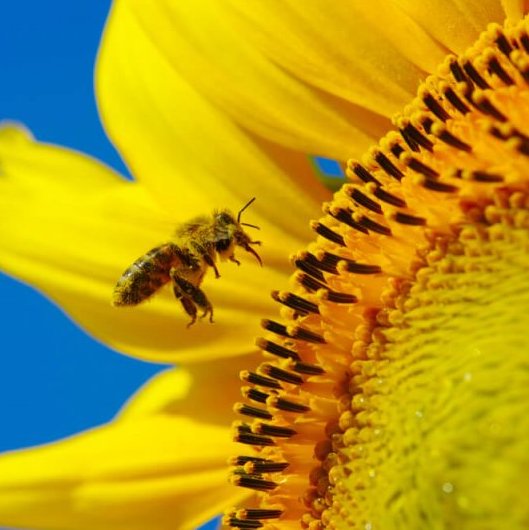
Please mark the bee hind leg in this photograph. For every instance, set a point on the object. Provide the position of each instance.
(191, 297)
(189, 307)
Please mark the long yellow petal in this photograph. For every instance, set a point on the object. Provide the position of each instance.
(166, 70)
(151, 473)
(344, 48)
(69, 226)
(456, 24)
(319, 77)
(180, 145)
(205, 392)
(514, 9)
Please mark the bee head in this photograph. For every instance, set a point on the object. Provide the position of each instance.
(230, 232)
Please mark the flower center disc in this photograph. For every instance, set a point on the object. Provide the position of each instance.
(394, 393)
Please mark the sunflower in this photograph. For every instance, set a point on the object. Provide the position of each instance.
(393, 386)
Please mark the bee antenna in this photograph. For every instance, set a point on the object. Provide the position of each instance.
(251, 226)
(244, 208)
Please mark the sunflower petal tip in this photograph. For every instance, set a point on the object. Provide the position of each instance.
(14, 132)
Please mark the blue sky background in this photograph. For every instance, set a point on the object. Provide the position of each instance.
(54, 379)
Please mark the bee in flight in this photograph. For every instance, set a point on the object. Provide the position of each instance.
(185, 261)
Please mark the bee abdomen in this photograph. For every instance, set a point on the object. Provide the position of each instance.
(144, 277)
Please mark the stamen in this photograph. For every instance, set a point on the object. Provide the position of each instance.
(407, 219)
(242, 460)
(275, 327)
(385, 196)
(359, 268)
(287, 405)
(503, 44)
(259, 514)
(363, 199)
(253, 439)
(435, 107)
(323, 264)
(496, 67)
(313, 285)
(484, 176)
(254, 395)
(478, 176)
(243, 524)
(457, 71)
(427, 123)
(339, 298)
(308, 282)
(276, 431)
(260, 380)
(482, 102)
(417, 137)
(406, 136)
(441, 132)
(299, 333)
(420, 167)
(345, 216)
(254, 483)
(329, 260)
(309, 268)
(505, 47)
(374, 226)
(281, 375)
(327, 233)
(295, 302)
(396, 149)
(254, 412)
(456, 101)
(276, 349)
(308, 369)
(363, 174)
(474, 75)
(385, 163)
(436, 185)
(266, 467)
(254, 465)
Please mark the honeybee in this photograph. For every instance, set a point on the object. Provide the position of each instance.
(185, 261)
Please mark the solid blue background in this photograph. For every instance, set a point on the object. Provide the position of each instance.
(54, 379)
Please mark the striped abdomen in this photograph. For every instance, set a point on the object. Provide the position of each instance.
(146, 275)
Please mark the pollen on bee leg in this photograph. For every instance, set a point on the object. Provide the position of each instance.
(437, 196)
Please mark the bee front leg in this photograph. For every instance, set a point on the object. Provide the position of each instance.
(191, 297)
(235, 260)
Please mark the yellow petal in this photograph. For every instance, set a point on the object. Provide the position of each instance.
(155, 472)
(514, 9)
(456, 24)
(205, 392)
(69, 226)
(165, 71)
(360, 58)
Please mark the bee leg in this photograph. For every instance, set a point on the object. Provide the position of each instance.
(209, 260)
(235, 260)
(191, 297)
(208, 311)
(189, 307)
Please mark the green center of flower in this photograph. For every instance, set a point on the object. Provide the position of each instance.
(393, 392)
